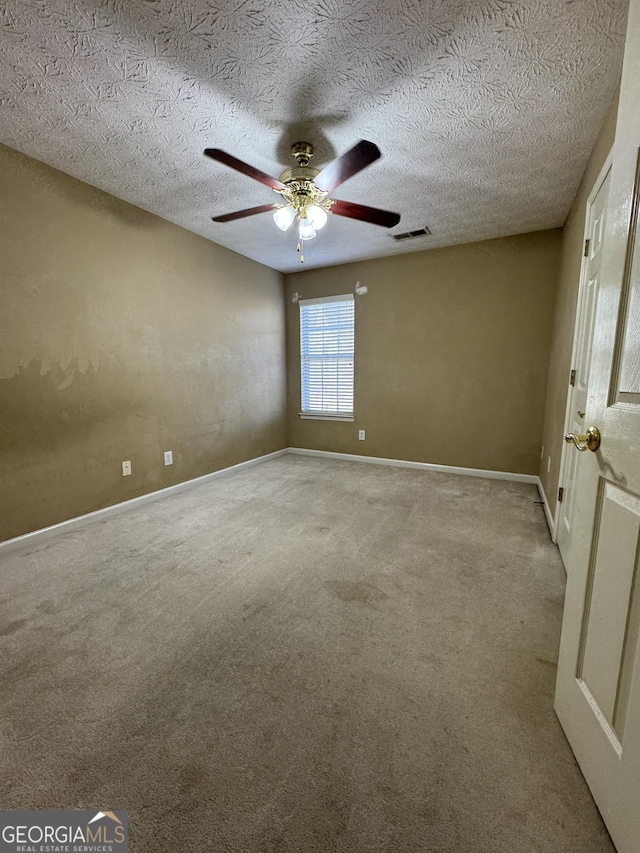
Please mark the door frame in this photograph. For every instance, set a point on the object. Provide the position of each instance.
(565, 448)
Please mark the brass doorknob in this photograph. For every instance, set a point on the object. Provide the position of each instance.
(589, 441)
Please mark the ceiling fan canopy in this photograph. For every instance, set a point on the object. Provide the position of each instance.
(304, 190)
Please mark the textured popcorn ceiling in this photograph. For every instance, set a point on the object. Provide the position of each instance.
(485, 110)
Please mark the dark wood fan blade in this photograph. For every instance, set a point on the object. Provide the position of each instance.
(240, 214)
(243, 168)
(355, 160)
(366, 214)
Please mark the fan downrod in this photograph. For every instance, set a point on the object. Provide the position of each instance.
(303, 152)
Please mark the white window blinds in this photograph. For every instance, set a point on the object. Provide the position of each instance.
(326, 355)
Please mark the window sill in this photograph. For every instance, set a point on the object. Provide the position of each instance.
(328, 416)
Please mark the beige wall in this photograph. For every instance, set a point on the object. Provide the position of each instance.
(452, 351)
(565, 312)
(122, 336)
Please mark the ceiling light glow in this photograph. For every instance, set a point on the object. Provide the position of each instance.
(283, 217)
(306, 230)
(317, 216)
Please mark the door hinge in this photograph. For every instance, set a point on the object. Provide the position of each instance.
(587, 243)
(560, 494)
(572, 378)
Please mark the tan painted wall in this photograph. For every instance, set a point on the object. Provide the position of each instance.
(452, 353)
(565, 312)
(122, 336)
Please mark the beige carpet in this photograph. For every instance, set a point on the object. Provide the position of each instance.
(308, 655)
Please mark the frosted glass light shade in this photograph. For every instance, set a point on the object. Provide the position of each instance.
(317, 216)
(306, 230)
(283, 217)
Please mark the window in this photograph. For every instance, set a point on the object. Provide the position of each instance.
(326, 357)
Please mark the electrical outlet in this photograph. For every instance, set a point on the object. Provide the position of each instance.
(168, 457)
(126, 469)
(360, 435)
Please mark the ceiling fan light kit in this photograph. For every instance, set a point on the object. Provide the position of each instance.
(306, 231)
(317, 216)
(283, 217)
(304, 190)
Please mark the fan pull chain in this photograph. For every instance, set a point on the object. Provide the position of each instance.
(300, 248)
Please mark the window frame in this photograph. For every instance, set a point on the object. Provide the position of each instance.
(318, 415)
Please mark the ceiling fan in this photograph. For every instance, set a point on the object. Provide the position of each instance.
(304, 190)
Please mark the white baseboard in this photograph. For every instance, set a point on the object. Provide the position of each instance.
(547, 511)
(124, 506)
(423, 466)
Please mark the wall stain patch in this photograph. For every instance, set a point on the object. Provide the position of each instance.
(66, 382)
(57, 407)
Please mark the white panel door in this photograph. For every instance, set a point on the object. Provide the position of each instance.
(598, 687)
(581, 360)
